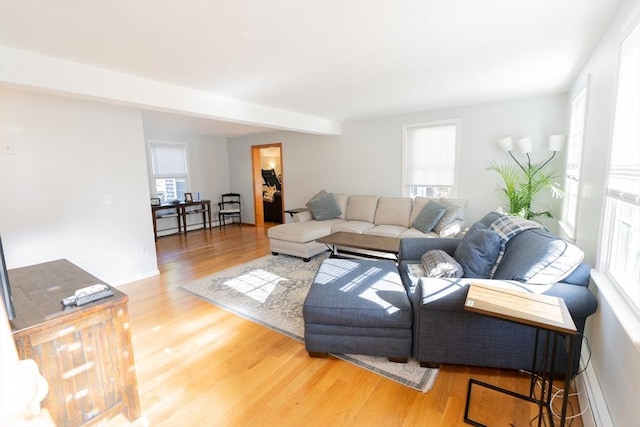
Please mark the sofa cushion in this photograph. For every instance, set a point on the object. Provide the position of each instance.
(477, 251)
(352, 226)
(361, 208)
(341, 200)
(429, 216)
(393, 211)
(490, 218)
(455, 212)
(302, 232)
(324, 207)
(358, 293)
(438, 263)
(413, 232)
(538, 256)
(386, 230)
(508, 226)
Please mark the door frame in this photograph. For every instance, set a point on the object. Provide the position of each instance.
(256, 168)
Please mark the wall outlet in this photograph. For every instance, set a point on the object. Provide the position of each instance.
(107, 200)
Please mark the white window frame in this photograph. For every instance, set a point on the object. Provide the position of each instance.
(429, 190)
(573, 169)
(154, 176)
(613, 225)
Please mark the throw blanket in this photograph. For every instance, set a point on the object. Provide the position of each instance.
(506, 227)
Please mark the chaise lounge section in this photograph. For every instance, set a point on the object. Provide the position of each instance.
(384, 216)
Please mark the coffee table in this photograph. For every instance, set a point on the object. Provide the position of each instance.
(384, 244)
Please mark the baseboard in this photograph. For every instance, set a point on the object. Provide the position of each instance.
(136, 278)
(590, 395)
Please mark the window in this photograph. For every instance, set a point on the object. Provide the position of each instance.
(169, 165)
(620, 248)
(574, 156)
(429, 158)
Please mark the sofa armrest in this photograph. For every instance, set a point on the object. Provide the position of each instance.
(412, 248)
(451, 294)
(579, 300)
(302, 216)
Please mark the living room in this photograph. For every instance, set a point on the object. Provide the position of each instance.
(72, 150)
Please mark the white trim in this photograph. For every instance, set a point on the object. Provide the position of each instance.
(135, 278)
(590, 395)
(626, 314)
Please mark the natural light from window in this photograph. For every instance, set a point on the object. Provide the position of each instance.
(620, 248)
(257, 284)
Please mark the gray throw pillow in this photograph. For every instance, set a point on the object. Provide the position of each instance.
(429, 216)
(315, 196)
(477, 251)
(324, 207)
(453, 213)
(438, 263)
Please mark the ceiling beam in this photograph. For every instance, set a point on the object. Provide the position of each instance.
(31, 70)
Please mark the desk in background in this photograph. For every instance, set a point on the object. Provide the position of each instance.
(181, 211)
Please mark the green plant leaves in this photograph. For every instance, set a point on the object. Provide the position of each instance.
(522, 184)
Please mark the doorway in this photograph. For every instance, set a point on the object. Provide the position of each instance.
(268, 184)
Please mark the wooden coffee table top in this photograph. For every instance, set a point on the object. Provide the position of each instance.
(541, 311)
(362, 241)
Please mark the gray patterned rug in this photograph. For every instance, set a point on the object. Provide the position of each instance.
(271, 290)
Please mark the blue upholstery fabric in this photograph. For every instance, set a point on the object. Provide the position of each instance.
(490, 218)
(358, 306)
(444, 332)
(477, 251)
(532, 253)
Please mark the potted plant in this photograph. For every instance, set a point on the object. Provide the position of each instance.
(523, 182)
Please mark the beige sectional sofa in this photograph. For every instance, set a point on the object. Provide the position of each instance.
(384, 216)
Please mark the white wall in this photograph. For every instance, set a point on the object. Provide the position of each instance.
(366, 159)
(615, 359)
(69, 155)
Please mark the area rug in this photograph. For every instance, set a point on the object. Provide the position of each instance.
(271, 290)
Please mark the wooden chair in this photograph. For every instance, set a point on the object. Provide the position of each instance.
(229, 207)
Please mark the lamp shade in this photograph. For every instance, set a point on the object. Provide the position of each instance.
(506, 143)
(525, 145)
(556, 142)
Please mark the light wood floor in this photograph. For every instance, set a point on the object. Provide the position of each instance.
(198, 365)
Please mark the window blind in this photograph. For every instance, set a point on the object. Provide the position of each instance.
(430, 155)
(169, 159)
(624, 165)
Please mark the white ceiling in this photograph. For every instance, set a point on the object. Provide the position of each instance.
(337, 60)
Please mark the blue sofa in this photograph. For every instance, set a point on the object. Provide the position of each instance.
(444, 332)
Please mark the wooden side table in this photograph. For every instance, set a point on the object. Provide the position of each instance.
(84, 353)
(548, 315)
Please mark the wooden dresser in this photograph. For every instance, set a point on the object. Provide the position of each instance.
(85, 352)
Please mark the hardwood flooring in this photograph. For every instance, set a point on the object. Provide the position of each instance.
(198, 365)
